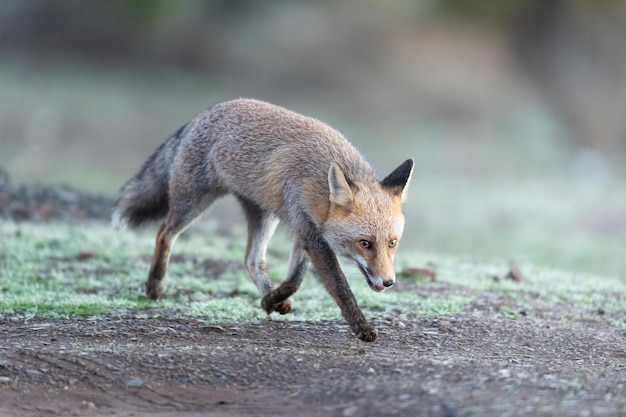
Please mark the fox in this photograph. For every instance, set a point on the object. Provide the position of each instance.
(282, 167)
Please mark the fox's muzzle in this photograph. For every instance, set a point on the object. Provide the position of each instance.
(375, 282)
(389, 283)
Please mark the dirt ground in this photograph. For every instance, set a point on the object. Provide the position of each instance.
(492, 360)
(428, 366)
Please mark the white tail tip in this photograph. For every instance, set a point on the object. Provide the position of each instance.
(118, 220)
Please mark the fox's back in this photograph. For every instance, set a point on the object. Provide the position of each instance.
(262, 151)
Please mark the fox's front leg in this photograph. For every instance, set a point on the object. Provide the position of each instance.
(261, 227)
(333, 278)
(277, 298)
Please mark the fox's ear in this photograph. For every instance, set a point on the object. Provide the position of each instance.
(397, 181)
(339, 187)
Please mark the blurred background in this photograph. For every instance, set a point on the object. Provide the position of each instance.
(515, 111)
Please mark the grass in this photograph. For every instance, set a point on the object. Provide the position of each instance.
(62, 270)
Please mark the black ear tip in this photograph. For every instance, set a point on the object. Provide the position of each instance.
(406, 165)
(400, 176)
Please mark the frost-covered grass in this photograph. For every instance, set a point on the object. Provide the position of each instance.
(61, 270)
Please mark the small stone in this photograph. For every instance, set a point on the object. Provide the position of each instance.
(350, 411)
(85, 254)
(88, 405)
(5, 380)
(213, 329)
(134, 382)
(34, 372)
(515, 274)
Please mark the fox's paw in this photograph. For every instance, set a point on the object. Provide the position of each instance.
(153, 289)
(366, 333)
(281, 307)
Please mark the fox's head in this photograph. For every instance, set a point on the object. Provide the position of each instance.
(365, 221)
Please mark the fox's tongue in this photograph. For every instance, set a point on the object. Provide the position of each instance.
(379, 287)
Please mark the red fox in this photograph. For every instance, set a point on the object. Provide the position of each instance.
(281, 166)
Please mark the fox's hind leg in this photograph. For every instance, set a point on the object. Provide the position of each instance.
(184, 207)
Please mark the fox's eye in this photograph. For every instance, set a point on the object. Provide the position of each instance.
(393, 243)
(365, 244)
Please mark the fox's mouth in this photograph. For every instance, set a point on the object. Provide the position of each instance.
(366, 272)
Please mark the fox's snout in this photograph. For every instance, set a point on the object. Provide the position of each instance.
(389, 283)
(375, 285)
(375, 282)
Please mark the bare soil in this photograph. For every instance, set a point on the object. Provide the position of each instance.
(493, 360)
(427, 366)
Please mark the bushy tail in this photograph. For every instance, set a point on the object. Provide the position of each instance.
(144, 199)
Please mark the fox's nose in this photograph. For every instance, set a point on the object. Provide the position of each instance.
(389, 283)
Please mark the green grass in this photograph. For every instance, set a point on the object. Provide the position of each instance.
(43, 274)
(62, 270)
(541, 288)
